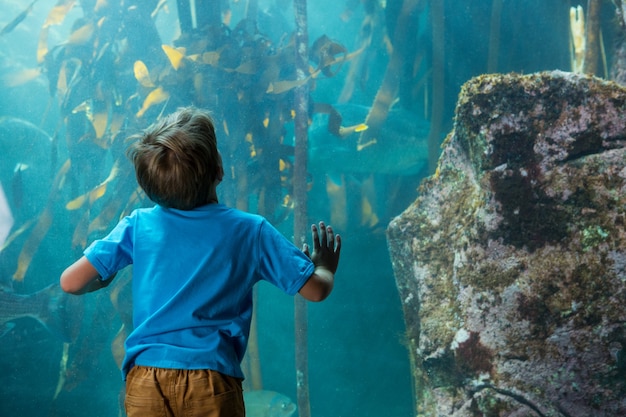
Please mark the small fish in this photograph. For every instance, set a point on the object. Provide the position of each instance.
(7, 328)
(17, 185)
(19, 19)
(263, 403)
(142, 74)
(175, 55)
(56, 311)
(401, 148)
(6, 217)
(279, 87)
(156, 96)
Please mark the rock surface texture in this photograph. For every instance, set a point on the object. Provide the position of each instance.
(511, 263)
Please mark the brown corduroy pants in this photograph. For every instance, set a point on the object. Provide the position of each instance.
(157, 392)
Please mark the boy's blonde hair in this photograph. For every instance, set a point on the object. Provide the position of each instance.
(176, 159)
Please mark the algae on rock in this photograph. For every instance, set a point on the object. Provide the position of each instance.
(511, 263)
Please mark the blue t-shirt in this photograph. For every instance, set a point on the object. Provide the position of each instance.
(193, 273)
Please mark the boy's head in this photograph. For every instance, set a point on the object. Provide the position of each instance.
(176, 160)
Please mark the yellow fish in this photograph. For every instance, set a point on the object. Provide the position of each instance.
(279, 87)
(344, 131)
(175, 55)
(142, 74)
(156, 96)
(20, 17)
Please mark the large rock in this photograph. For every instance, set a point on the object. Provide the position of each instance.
(511, 263)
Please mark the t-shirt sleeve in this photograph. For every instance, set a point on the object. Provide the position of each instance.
(281, 262)
(113, 252)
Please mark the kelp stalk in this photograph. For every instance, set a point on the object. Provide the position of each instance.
(388, 91)
(252, 10)
(301, 94)
(577, 38)
(494, 36)
(436, 119)
(592, 37)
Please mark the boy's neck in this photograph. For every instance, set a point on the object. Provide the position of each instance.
(213, 197)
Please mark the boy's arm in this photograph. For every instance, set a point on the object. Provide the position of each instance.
(325, 257)
(81, 277)
(318, 286)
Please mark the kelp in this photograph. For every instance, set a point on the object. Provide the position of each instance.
(300, 196)
(388, 91)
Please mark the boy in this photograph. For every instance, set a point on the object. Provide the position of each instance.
(195, 262)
